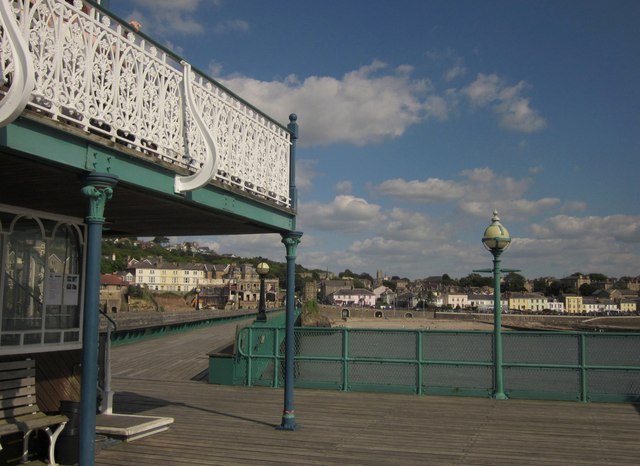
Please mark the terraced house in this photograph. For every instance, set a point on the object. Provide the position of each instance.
(106, 133)
(168, 276)
(527, 302)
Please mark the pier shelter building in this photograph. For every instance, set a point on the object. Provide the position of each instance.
(104, 132)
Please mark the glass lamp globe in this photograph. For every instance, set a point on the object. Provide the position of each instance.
(262, 268)
(496, 236)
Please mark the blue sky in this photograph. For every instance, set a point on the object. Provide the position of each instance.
(418, 118)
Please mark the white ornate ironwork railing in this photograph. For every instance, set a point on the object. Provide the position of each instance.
(78, 65)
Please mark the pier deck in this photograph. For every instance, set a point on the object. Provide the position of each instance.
(217, 425)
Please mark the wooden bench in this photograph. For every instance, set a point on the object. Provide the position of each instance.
(19, 410)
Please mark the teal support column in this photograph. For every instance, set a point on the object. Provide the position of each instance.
(98, 188)
(498, 389)
(293, 129)
(291, 241)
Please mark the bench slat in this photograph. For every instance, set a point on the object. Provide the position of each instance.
(27, 398)
(22, 364)
(33, 421)
(7, 385)
(19, 411)
(18, 373)
(14, 413)
(14, 388)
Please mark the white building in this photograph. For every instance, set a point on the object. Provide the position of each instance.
(481, 302)
(595, 305)
(355, 297)
(169, 276)
(556, 306)
(456, 300)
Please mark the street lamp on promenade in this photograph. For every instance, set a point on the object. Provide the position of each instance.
(496, 239)
(198, 290)
(263, 269)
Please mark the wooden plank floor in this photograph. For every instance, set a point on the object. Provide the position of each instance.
(221, 425)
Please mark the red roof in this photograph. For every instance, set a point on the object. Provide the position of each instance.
(110, 279)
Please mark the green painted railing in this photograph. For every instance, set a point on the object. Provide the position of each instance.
(537, 365)
(124, 336)
(263, 343)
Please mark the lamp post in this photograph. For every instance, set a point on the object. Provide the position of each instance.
(198, 290)
(263, 269)
(496, 239)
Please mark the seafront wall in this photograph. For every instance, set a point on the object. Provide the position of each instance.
(515, 321)
(342, 312)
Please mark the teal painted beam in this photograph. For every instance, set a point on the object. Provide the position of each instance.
(66, 148)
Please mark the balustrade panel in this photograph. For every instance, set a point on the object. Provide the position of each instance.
(93, 73)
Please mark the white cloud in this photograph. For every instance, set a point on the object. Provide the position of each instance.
(184, 5)
(575, 253)
(405, 225)
(344, 213)
(214, 69)
(168, 17)
(376, 102)
(449, 58)
(366, 105)
(607, 230)
(344, 187)
(234, 25)
(432, 189)
(507, 101)
(454, 72)
(479, 175)
(527, 207)
(438, 107)
(483, 90)
(480, 192)
(513, 208)
(305, 173)
(415, 258)
(265, 245)
(574, 206)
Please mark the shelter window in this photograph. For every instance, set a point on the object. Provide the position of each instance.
(41, 283)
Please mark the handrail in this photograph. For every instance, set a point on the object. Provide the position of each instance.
(93, 73)
(113, 323)
(587, 359)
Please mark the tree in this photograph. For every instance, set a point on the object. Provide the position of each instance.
(586, 289)
(475, 280)
(390, 284)
(357, 283)
(556, 288)
(539, 285)
(135, 291)
(347, 274)
(161, 241)
(514, 282)
(431, 298)
(446, 280)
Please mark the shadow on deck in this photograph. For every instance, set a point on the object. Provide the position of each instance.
(235, 425)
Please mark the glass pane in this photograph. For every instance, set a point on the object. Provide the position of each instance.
(24, 277)
(33, 338)
(63, 280)
(71, 336)
(10, 340)
(52, 337)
